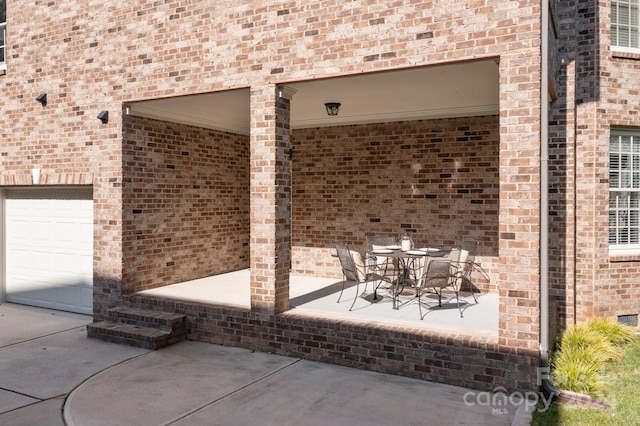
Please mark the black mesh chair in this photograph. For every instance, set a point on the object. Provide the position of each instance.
(355, 271)
(468, 247)
(387, 267)
(441, 274)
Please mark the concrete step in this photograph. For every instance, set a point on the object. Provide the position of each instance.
(146, 318)
(140, 328)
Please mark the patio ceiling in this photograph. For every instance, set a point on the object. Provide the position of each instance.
(453, 90)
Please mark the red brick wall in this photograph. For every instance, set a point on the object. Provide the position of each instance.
(598, 91)
(185, 203)
(94, 55)
(616, 289)
(562, 171)
(562, 218)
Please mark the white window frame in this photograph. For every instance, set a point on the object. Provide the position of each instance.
(3, 45)
(624, 176)
(632, 26)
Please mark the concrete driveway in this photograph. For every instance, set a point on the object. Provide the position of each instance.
(51, 374)
(44, 355)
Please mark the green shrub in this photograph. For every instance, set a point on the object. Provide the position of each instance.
(593, 344)
(578, 369)
(584, 351)
(617, 333)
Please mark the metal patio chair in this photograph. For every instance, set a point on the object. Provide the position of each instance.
(468, 247)
(440, 274)
(380, 265)
(354, 270)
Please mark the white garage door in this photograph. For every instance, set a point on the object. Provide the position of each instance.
(49, 248)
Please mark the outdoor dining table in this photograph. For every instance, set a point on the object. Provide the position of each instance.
(406, 271)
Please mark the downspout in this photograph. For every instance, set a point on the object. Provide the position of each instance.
(547, 386)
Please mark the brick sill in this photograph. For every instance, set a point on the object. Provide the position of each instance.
(614, 258)
(625, 55)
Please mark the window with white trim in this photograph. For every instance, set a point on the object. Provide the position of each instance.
(625, 25)
(3, 47)
(3, 33)
(624, 191)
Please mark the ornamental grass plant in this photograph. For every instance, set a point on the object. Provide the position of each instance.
(616, 333)
(622, 381)
(600, 358)
(583, 353)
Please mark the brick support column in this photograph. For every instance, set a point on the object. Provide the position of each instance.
(270, 189)
(519, 279)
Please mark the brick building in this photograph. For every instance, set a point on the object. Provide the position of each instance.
(153, 142)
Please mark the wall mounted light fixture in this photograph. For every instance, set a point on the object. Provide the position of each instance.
(35, 176)
(104, 117)
(332, 108)
(286, 92)
(42, 98)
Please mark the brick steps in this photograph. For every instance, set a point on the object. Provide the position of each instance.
(139, 327)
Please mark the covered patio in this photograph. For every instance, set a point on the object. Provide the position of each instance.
(233, 226)
(414, 151)
(318, 297)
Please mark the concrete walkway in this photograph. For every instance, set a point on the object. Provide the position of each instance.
(44, 355)
(51, 374)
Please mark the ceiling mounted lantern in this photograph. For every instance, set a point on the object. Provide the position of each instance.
(332, 108)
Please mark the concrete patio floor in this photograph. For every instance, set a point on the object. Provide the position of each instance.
(317, 297)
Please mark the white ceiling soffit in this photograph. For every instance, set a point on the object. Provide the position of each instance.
(455, 90)
(227, 111)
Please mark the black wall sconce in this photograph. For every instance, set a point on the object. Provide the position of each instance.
(332, 108)
(104, 117)
(42, 98)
